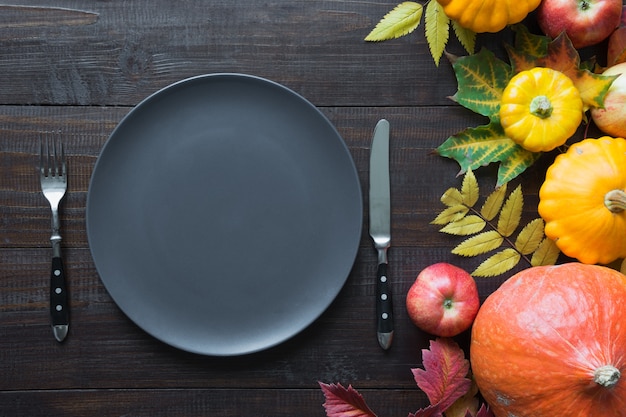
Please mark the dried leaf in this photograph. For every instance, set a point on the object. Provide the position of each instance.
(546, 254)
(451, 214)
(467, 403)
(430, 411)
(623, 267)
(400, 21)
(468, 225)
(469, 189)
(437, 29)
(466, 37)
(479, 244)
(498, 263)
(530, 237)
(443, 378)
(528, 43)
(452, 197)
(493, 203)
(344, 402)
(485, 411)
(511, 213)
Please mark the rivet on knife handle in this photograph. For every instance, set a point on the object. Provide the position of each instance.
(380, 229)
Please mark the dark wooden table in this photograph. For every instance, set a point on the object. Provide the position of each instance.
(79, 67)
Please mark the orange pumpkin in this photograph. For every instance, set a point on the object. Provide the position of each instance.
(551, 341)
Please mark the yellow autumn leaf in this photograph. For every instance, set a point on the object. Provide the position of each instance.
(479, 244)
(492, 205)
(451, 214)
(546, 254)
(469, 189)
(437, 29)
(400, 21)
(452, 197)
(466, 37)
(468, 225)
(498, 264)
(530, 237)
(623, 267)
(511, 213)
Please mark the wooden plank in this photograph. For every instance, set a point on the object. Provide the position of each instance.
(117, 53)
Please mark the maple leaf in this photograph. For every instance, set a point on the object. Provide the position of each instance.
(560, 55)
(344, 402)
(444, 377)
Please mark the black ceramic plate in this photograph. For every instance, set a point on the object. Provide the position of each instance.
(224, 214)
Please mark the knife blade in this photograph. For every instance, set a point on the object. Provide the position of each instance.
(380, 229)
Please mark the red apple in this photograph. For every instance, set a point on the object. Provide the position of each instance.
(586, 22)
(612, 118)
(443, 300)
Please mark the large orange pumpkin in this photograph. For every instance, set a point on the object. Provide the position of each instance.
(551, 342)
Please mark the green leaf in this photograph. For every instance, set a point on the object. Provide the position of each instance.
(546, 254)
(498, 264)
(479, 244)
(437, 29)
(400, 21)
(511, 213)
(481, 79)
(469, 189)
(451, 214)
(468, 225)
(530, 237)
(527, 43)
(479, 146)
(452, 197)
(466, 37)
(493, 203)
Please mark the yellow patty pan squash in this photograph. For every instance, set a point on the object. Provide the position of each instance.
(488, 15)
(583, 200)
(540, 109)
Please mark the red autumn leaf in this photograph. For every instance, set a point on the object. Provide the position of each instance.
(484, 412)
(443, 378)
(430, 411)
(344, 402)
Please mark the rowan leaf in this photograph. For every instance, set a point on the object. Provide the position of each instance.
(493, 203)
(511, 213)
(478, 146)
(344, 402)
(400, 21)
(498, 263)
(469, 189)
(481, 79)
(479, 244)
(437, 29)
(444, 377)
(468, 225)
(466, 37)
(546, 254)
(451, 214)
(452, 197)
(530, 237)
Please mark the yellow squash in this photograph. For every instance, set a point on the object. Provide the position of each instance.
(488, 15)
(583, 200)
(540, 109)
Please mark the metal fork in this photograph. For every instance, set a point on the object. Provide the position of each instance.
(53, 176)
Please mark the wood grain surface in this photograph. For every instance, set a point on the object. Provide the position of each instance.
(79, 67)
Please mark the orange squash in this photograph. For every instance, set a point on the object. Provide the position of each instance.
(551, 341)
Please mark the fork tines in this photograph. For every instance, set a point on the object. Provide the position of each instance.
(51, 155)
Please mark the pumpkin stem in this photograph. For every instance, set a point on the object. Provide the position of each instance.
(607, 376)
(615, 201)
(541, 107)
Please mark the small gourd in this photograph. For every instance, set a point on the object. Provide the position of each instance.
(488, 15)
(540, 109)
(551, 342)
(583, 200)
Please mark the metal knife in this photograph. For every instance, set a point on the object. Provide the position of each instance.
(380, 229)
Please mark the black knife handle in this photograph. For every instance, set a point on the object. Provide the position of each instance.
(59, 307)
(384, 306)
